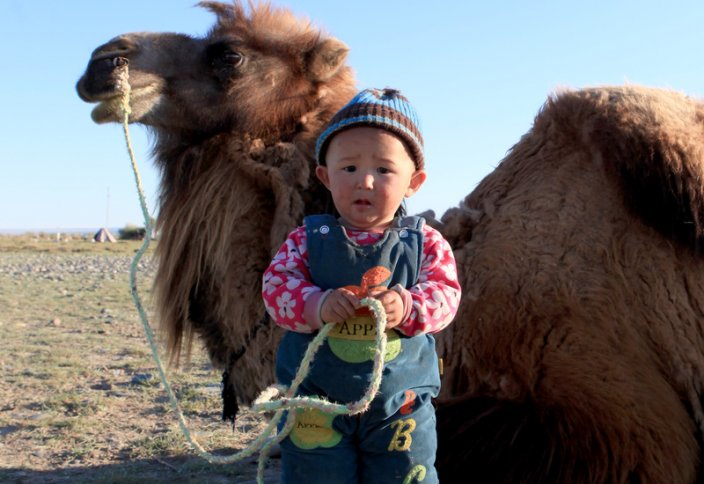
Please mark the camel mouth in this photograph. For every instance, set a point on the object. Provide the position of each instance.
(107, 110)
(110, 109)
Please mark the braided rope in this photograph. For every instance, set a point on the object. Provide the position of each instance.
(275, 398)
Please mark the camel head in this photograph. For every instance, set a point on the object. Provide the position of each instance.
(264, 61)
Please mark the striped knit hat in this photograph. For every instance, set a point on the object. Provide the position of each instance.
(378, 108)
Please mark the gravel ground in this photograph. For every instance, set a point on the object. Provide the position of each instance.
(56, 267)
(70, 410)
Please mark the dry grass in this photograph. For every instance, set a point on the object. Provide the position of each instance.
(80, 398)
(63, 244)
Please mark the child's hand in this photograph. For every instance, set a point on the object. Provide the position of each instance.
(392, 302)
(339, 305)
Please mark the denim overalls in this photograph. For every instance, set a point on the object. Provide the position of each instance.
(397, 433)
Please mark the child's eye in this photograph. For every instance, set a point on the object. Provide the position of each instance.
(349, 168)
(383, 170)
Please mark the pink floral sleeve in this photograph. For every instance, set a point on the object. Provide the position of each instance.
(431, 303)
(286, 285)
(436, 296)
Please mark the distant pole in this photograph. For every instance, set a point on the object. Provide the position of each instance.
(107, 210)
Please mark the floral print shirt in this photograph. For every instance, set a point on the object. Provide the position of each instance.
(292, 300)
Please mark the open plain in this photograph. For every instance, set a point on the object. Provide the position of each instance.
(81, 399)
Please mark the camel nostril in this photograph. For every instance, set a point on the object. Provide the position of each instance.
(119, 61)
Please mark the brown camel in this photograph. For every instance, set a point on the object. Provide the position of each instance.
(235, 117)
(577, 354)
(578, 350)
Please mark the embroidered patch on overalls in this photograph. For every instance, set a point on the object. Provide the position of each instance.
(410, 399)
(402, 439)
(354, 340)
(313, 428)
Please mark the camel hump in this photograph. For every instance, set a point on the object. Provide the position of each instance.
(651, 140)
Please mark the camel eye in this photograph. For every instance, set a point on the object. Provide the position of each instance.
(225, 60)
(222, 55)
(232, 58)
(119, 61)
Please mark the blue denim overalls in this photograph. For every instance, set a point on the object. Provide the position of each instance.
(397, 433)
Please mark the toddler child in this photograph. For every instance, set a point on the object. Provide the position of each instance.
(370, 157)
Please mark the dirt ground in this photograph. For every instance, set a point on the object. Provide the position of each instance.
(81, 399)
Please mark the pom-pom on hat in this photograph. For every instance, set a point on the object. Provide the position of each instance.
(386, 109)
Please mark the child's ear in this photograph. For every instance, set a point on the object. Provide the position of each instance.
(417, 179)
(322, 173)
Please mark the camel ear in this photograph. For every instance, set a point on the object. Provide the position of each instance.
(326, 58)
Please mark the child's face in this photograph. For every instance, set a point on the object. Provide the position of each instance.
(368, 172)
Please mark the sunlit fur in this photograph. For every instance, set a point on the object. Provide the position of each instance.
(578, 351)
(235, 150)
(229, 200)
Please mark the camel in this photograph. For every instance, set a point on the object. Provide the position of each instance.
(577, 354)
(579, 338)
(234, 181)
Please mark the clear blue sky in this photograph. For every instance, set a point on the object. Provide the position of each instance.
(477, 71)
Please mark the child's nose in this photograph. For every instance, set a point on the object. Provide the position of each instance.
(366, 180)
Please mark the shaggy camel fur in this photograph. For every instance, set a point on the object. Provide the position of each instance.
(578, 349)
(577, 352)
(235, 117)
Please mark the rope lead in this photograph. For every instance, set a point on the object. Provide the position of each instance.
(274, 398)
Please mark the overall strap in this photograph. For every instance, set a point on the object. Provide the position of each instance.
(410, 222)
(318, 220)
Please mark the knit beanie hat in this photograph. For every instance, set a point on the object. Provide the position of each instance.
(386, 109)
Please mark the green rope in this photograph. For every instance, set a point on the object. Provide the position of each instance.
(274, 398)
